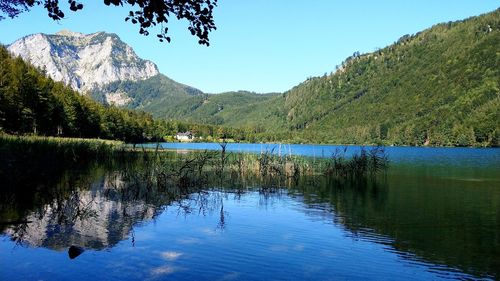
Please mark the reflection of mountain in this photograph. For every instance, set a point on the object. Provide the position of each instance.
(423, 217)
(86, 218)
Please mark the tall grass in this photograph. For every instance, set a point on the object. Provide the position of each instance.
(43, 156)
(164, 169)
(266, 168)
(31, 164)
(75, 149)
(366, 162)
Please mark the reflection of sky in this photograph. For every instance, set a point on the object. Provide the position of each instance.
(164, 270)
(278, 242)
(171, 255)
(472, 157)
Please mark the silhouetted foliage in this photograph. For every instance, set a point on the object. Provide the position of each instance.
(145, 13)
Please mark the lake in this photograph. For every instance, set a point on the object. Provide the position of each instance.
(433, 215)
(421, 155)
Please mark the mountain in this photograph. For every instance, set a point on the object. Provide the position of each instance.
(100, 64)
(224, 108)
(106, 68)
(32, 103)
(438, 87)
(84, 62)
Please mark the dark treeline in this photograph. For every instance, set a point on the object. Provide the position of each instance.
(32, 103)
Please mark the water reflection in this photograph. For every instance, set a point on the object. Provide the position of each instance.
(444, 225)
(75, 251)
(455, 224)
(97, 210)
(96, 217)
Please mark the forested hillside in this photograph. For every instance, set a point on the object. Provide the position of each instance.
(156, 92)
(440, 87)
(221, 108)
(32, 103)
(436, 87)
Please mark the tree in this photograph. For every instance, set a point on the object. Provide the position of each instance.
(146, 13)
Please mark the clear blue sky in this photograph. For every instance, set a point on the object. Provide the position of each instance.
(261, 45)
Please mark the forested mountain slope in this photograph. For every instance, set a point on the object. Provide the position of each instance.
(102, 65)
(157, 91)
(437, 87)
(230, 108)
(440, 86)
(32, 103)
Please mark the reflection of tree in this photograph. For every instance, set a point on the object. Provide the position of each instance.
(99, 212)
(222, 217)
(28, 188)
(415, 220)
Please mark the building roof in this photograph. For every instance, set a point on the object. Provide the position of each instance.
(188, 133)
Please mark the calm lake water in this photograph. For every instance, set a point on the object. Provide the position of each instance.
(435, 214)
(442, 156)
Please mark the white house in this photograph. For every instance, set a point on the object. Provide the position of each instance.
(187, 136)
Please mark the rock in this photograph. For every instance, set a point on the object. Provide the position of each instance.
(75, 251)
(85, 62)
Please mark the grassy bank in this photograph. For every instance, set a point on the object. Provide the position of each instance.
(75, 149)
(24, 155)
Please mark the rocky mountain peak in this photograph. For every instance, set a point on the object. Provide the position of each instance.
(84, 61)
(69, 33)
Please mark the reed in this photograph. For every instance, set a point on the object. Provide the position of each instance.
(20, 153)
(270, 168)
(164, 169)
(366, 162)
